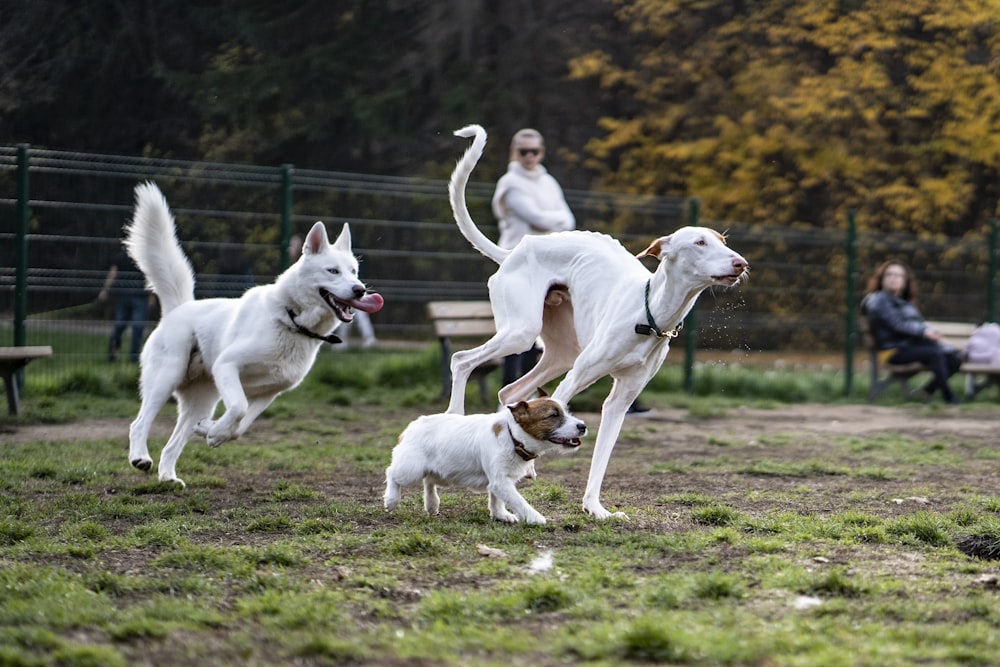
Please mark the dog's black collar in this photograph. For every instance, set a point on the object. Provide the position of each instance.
(519, 448)
(331, 339)
(650, 329)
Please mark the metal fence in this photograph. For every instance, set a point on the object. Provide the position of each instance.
(61, 216)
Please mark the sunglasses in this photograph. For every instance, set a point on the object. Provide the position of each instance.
(524, 152)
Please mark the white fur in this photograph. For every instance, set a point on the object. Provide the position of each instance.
(476, 452)
(588, 330)
(245, 351)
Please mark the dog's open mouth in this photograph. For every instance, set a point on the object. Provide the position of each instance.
(344, 308)
(728, 280)
(566, 442)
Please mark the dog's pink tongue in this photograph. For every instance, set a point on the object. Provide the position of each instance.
(370, 303)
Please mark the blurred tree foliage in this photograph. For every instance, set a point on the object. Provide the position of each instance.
(772, 112)
(791, 112)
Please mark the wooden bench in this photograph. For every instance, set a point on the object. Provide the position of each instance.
(12, 359)
(469, 320)
(956, 334)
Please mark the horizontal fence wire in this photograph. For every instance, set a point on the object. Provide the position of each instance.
(402, 228)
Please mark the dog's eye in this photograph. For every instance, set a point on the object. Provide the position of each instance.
(700, 242)
(335, 272)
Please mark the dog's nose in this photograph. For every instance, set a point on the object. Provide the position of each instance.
(581, 427)
(359, 291)
(739, 264)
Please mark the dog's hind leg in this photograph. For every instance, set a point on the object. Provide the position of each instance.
(432, 501)
(547, 369)
(464, 362)
(156, 386)
(392, 491)
(193, 404)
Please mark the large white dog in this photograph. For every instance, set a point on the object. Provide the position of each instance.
(245, 351)
(598, 310)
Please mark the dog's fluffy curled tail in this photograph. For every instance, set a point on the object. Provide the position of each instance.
(151, 240)
(456, 195)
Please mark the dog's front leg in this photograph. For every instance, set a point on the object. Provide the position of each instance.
(227, 380)
(498, 510)
(504, 492)
(612, 417)
(257, 406)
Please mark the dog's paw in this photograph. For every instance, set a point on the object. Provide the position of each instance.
(173, 479)
(145, 464)
(598, 512)
(535, 519)
(202, 427)
(217, 436)
(507, 517)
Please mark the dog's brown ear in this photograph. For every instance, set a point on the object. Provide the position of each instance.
(541, 393)
(652, 251)
(519, 410)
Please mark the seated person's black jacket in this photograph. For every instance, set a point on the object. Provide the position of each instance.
(892, 321)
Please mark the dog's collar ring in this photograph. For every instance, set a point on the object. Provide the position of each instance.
(519, 447)
(331, 339)
(650, 328)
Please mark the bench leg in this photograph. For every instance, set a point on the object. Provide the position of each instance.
(445, 369)
(972, 388)
(10, 384)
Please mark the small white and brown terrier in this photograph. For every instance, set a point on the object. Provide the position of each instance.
(484, 452)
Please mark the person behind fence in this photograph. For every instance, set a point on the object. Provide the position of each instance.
(528, 200)
(125, 288)
(235, 270)
(901, 333)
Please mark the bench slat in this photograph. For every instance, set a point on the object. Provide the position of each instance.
(25, 352)
(960, 330)
(454, 310)
(458, 328)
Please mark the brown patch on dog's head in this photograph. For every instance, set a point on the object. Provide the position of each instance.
(497, 429)
(541, 418)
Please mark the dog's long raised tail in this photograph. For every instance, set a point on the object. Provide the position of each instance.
(151, 240)
(456, 195)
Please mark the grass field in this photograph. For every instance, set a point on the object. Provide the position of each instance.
(771, 523)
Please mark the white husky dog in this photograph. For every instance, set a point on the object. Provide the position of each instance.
(245, 351)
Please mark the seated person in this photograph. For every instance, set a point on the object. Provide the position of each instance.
(900, 330)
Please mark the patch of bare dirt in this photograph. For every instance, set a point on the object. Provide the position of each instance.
(833, 420)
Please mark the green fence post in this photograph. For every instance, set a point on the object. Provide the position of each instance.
(690, 327)
(850, 321)
(287, 171)
(21, 255)
(991, 286)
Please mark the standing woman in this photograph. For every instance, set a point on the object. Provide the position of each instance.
(528, 200)
(901, 332)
